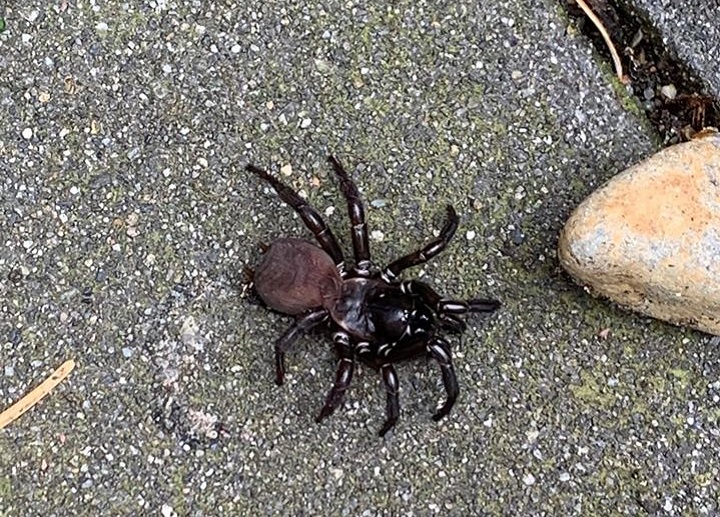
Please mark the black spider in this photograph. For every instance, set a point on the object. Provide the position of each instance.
(378, 319)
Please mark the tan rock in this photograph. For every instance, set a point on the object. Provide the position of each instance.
(649, 239)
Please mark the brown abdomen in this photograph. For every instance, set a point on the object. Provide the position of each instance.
(295, 276)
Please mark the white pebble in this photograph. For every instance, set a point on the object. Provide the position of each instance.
(167, 511)
(27, 133)
(236, 49)
(470, 235)
(286, 170)
(377, 235)
(74, 190)
(529, 479)
(669, 91)
(305, 123)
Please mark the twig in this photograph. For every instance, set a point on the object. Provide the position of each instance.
(36, 395)
(616, 57)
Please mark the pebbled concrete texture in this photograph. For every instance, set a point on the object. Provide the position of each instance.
(690, 29)
(127, 219)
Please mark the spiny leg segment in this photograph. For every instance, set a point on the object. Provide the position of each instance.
(343, 375)
(283, 344)
(307, 213)
(356, 212)
(391, 272)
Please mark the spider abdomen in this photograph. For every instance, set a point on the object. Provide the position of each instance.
(295, 276)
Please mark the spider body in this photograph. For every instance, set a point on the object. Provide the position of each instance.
(376, 318)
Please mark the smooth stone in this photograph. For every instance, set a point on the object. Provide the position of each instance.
(649, 239)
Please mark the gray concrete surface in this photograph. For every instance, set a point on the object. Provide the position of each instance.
(691, 30)
(127, 218)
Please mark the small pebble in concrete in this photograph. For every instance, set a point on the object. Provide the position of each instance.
(669, 91)
(649, 239)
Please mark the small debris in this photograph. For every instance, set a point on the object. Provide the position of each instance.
(27, 133)
(323, 66)
(167, 511)
(604, 33)
(286, 170)
(305, 123)
(31, 399)
(669, 91)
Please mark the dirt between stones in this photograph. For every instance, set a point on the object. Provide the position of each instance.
(674, 99)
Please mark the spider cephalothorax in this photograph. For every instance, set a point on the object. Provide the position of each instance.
(376, 318)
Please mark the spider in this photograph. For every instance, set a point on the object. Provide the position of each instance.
(377, 319)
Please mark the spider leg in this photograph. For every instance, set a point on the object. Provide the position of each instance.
(308, 214)
(356, 212)
(439, 349)
(343, 375)
(392, 404)
(390, 273)
(283, 344)
(448, 310)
